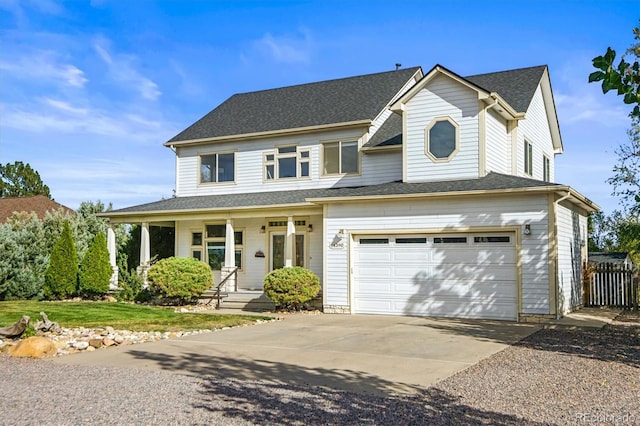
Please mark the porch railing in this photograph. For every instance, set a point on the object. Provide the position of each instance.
(217, 291)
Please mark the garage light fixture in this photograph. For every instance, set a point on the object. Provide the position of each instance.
(527, 229)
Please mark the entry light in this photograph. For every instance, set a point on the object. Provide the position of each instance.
(527, 229)
(263, 229)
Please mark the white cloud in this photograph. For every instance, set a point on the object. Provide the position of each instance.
(122, 69)
(44, 65)
(287, 49)
(55, 116)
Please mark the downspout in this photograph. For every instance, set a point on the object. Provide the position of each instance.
(555, 209)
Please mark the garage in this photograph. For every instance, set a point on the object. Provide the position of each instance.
(470, 275)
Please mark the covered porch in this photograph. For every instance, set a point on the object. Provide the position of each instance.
(249, 242)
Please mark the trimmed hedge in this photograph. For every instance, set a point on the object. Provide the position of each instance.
(290, 288)
(61, 277)
(179, 278)
(96, 270)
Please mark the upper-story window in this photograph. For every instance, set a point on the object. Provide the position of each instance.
(546, 169)
(219, 167)
(442, 139)
(287, 162)
(528, 158)
(340, 158)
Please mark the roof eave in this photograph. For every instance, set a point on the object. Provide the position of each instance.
(271, 133)
(356, 198)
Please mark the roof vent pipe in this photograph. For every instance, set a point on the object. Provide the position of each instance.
(398, 66)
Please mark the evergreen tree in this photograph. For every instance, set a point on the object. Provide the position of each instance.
(61, 277)
(95, 271)
(20, 180)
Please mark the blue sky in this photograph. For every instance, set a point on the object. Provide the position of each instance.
(89, 90)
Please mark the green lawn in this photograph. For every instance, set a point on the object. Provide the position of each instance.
(121, 316)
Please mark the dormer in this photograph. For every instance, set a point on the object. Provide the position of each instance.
(457, 127)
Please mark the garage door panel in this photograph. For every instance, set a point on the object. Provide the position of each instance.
(463, 280)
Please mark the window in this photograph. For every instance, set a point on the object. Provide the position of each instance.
(287, 162)
(450, 240)
(374, 241)
(215, 168)
(546, 169)
(441, 139)
(492, 239)
(340, 158)
(215, 238)
(528, 158)
(196, 245)
(415, 240)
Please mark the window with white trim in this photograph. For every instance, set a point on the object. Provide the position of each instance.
(218, 167)
(196, 245)
(546, 169)
(442, 139)
(340, 158)
(214, 242)
(287, 162)
(528, 158)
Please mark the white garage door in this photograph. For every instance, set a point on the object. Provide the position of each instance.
(456, 275)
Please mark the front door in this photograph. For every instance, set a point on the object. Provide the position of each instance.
(278, 240)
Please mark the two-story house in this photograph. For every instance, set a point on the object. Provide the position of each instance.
(406, 193)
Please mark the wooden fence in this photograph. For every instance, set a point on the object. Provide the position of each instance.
(613, 285)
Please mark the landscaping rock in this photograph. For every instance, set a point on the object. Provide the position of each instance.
(107, 342)
(80, 345)
(95, 343)
(33, 347)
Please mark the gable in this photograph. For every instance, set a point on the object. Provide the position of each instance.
(349, 100)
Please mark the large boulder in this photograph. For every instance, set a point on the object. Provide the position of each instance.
(33, 347)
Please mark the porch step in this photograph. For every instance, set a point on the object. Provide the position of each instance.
(254, 301)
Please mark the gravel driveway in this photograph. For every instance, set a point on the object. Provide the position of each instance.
(555, 376)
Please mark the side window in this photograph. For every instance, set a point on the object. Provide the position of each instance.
(528, 158)
(546, 169)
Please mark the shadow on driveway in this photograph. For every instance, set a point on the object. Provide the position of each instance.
(261, 403)
(278, 373)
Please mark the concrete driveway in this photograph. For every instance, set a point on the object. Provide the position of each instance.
(360, 353)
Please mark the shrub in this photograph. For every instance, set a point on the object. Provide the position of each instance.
(61, 277)
(23, 257)
(95, 271)
(130, 283)
(179, 278)
(290, 288)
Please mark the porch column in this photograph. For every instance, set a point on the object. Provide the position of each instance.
(229, 246)
(145, 252)
(111, 247)
(289, 243)
(229, 258)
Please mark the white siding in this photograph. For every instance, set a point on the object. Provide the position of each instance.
(535, 129)
(571, 228)
(254, 268)
(433, 215)
(375, 169)
(442, 97)
(498, 141)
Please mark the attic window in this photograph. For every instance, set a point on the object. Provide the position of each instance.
(442, 139)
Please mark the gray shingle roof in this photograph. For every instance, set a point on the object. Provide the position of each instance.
(327, 102)
(517, 87)
(389, 134)
(608, 257)
(493, 181)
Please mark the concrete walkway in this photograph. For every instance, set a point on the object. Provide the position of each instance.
(361, 353)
